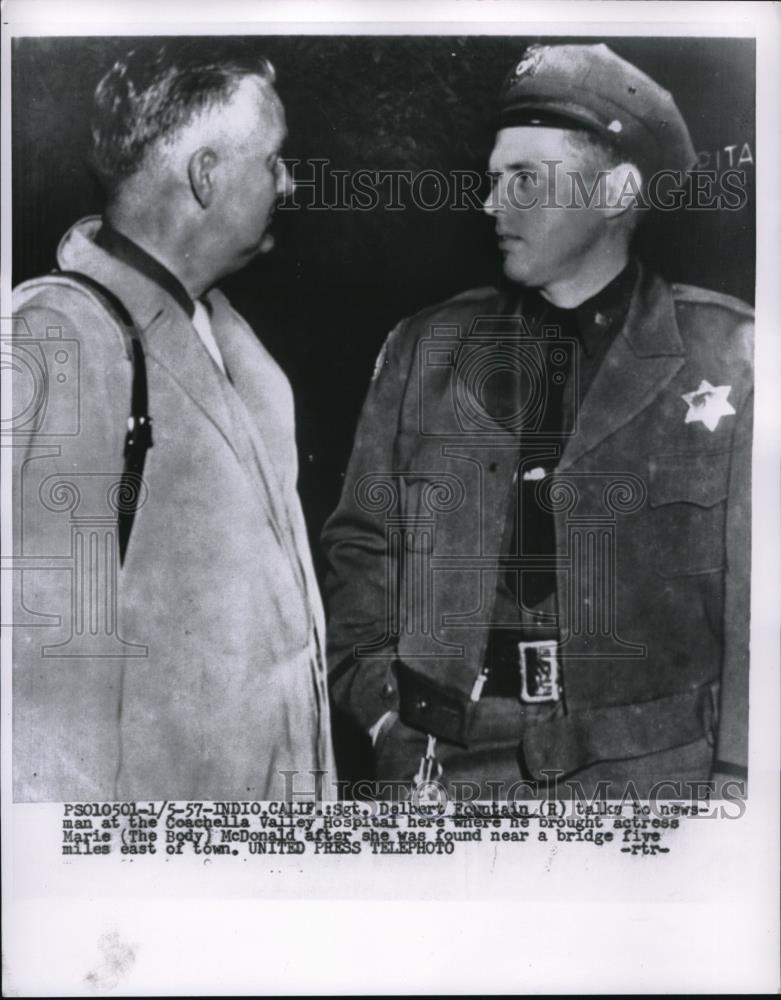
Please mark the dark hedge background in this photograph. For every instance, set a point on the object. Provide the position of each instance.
(337, 281)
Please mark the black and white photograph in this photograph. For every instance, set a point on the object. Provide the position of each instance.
(387, 512)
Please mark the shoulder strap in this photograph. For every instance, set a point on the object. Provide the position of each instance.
(138, 439)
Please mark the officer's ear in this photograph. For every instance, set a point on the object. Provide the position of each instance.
(624, 189)
(201, 169)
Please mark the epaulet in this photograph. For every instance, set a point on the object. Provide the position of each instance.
(409, 330)
(472, 295)
(704, 296)
(471, 299)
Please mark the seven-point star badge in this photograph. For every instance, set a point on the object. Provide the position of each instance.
(709, 404)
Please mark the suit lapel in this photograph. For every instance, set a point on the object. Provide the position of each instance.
(168, 334)
(261, 389)
(175, 345)
(265, 394)
(641, 361)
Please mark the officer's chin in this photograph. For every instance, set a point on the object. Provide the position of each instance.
(514, 271)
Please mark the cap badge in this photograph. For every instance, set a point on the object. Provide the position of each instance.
(531, 60)
(708, 404)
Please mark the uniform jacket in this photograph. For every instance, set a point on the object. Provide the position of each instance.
(194, 670)
(651, 521)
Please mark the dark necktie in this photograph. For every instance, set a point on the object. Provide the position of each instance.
(536, 391)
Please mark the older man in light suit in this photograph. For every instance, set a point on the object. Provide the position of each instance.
(168, 640)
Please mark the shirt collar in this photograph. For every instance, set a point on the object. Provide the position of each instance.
(603, 314)
(595, 321)
(130, 253)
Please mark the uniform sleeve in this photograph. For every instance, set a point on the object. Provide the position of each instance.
(359, 565)
(732, 740)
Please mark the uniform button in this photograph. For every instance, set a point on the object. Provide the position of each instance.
(492, 467)
(388, 691)
(422, 705)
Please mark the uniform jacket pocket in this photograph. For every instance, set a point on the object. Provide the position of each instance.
(687, 494)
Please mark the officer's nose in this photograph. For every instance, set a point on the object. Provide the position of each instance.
(492, 202)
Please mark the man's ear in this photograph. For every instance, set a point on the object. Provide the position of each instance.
(624, 189)
(200, 169)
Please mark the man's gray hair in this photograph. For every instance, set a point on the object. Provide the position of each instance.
(149, 95)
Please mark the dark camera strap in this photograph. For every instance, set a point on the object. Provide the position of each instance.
(138, 439)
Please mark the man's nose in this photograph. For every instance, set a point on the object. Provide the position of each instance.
(492, 202)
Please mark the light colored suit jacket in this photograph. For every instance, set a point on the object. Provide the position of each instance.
(193, 671)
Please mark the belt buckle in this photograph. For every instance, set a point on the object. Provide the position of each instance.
(540, 672)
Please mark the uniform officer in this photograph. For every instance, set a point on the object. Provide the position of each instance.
(538, 568)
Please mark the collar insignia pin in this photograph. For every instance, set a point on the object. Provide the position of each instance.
(708, 404)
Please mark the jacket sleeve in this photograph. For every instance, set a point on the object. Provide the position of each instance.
(359, 567)
(74, 438)
(732, 739)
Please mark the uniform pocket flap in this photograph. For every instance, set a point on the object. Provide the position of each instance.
(699, 478)
(433, 708)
